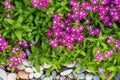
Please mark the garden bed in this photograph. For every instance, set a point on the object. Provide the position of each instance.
(60, 32)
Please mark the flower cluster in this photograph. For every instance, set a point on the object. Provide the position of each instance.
(117, 44)
(107, 10)
(64, 33)
(23, 43)
(94, 31)
(101, 69)
(39, 3)
(14, 61)
(98, 55)
(15, 49)
(3, 43)
(8, 6)
(110, 39)
(109, 53)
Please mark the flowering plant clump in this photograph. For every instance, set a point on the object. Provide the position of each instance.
(59, 32)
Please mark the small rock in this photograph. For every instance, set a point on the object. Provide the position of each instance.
(31, 75)
(12, 76)
(3, 74)
(34, 69)
(117, 76)
(69, 65)
(89, 77)
(26, 62)
(71, 76)
(81, 70)
(20, 67)
(62, 78)
(38, 75)
(66, 72)
(81, 75)
(88, 70)
(96, 77)
(54, 75)
(46, 78)
(29, 70)
(23, 75)
(28, 51)
(58, 77)
(42, 77)
(1, 78)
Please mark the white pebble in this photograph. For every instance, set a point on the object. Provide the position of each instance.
(31, 75)
(34, 69)
(3, 74)
(20, 67)
(28, 70)
(46, 66)
(89, 77)
(12, 76)
(66, 72)
(81, 75)
(38, 75)
(46, 78)
(26, 62)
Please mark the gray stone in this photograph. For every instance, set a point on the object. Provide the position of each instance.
(117, 76)
(28, 51)
(54, 74)
(81, 75)
(89, 77)
(96, 77)
(81, 70)
(1, 78)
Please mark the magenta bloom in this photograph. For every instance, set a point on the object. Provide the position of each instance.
(69, 46)
(7, 4)
(101, 70)
(8, 15)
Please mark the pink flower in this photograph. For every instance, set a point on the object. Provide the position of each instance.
(101, 70)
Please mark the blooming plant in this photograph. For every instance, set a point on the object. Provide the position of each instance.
(59, 32)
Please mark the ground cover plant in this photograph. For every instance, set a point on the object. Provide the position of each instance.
(59, 32)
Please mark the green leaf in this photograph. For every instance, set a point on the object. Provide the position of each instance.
(37, 19)
(37, 37)
(102, 26)
(18, 34)
(20, 19)
(102, 76)
(37, 66)
(44, 60)
(10, 21)
(112, 68)
(81, 52)
(47, 72)
(78, 68)
(115, 26)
